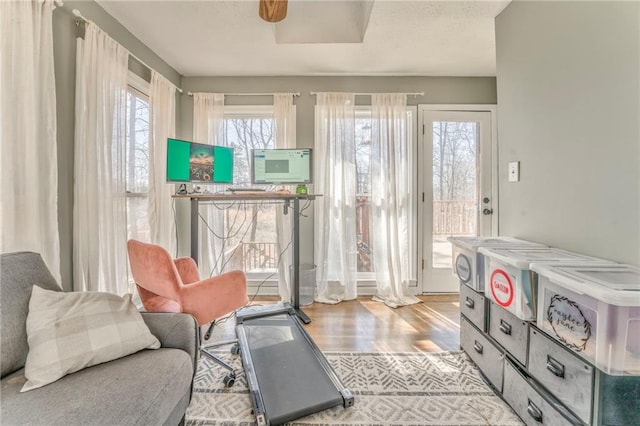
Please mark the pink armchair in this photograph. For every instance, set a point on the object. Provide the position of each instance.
(174, 285)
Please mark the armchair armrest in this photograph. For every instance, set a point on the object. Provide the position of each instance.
(175, 330)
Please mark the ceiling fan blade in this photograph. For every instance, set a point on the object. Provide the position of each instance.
(273, 10)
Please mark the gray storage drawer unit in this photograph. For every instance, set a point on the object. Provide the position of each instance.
(483, 352)
(557, 369)
(509, 331)
(528, 401)
(472, 306)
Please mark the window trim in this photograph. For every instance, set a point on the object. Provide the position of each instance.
(139, 83)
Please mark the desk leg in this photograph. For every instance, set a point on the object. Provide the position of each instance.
(296, 262)
(194, 229)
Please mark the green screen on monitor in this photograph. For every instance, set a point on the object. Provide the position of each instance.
(198, 163)
(223, 169)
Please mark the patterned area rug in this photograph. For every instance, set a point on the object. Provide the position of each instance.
(389, 388)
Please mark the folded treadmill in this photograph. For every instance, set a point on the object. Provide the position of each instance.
(288, 376)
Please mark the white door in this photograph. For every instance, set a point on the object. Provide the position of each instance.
(456, 188)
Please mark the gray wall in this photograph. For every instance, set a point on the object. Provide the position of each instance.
(64, 46)
(437, 90)
(569, 109)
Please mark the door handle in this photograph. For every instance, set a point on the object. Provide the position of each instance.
(478, 347)
(487, 212)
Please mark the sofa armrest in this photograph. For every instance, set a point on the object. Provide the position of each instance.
(175, 330)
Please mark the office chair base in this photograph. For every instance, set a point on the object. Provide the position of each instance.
(207, 335)
(230, 378)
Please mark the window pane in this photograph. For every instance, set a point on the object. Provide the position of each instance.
(138, 218)
(251, 228)
(363, 175)
(245, 134)
(137, 123)
(455, 186)
(137, 165)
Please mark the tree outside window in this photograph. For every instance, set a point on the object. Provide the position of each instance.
(251, 242)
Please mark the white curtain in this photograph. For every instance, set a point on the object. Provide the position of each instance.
(335, 211)
(284, 114)
(390, 206)
(162, 125)
(28, 155)
(208, 120)
(99, 216)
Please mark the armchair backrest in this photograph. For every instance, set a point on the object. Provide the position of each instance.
(155, 274)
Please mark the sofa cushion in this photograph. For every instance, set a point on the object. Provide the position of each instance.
(70, 331)
(19, 272)
(148, 387)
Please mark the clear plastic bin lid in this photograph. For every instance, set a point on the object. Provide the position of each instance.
(616, 284)
(522, 257)
(473, 243)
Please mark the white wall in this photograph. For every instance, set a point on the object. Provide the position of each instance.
(568, 82)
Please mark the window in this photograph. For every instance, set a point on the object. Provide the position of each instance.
(363, 178)
(251, 243)
(137, 159)
(366, 266)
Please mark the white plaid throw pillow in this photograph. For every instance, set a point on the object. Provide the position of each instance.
(70, 331)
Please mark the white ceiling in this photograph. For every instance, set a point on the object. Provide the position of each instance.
(228, 38)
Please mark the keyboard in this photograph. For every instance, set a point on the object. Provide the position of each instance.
(246, 189)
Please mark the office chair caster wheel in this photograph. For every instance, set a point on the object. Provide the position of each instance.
(229, 380)
(235, 349)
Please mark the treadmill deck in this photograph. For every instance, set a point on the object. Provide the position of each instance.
(288, 376)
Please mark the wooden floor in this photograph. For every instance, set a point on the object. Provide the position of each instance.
(363, 325)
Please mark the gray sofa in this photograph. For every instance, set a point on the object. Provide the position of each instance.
(150, 387)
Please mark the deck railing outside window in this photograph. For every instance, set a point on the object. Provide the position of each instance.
(454, 217)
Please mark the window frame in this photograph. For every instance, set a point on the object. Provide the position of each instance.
(141, 87)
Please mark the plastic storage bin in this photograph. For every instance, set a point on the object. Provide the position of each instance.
(468, 263)
(307, 285)
(595, 311)
(510, 283)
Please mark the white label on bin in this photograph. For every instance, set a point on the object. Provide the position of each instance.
(463, 268)
(501, 288)
(569, 323)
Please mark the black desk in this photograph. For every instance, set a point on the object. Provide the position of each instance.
(286, 199)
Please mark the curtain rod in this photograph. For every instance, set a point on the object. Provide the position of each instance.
(82, 19)
(251, 94)
(375, 93)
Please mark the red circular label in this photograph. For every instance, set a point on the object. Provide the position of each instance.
(501, 288)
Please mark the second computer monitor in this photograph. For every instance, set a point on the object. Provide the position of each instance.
(281, 166)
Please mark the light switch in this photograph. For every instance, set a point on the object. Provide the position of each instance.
(514, 171)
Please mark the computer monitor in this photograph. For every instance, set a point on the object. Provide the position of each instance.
(281, 166)
(198, 163)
